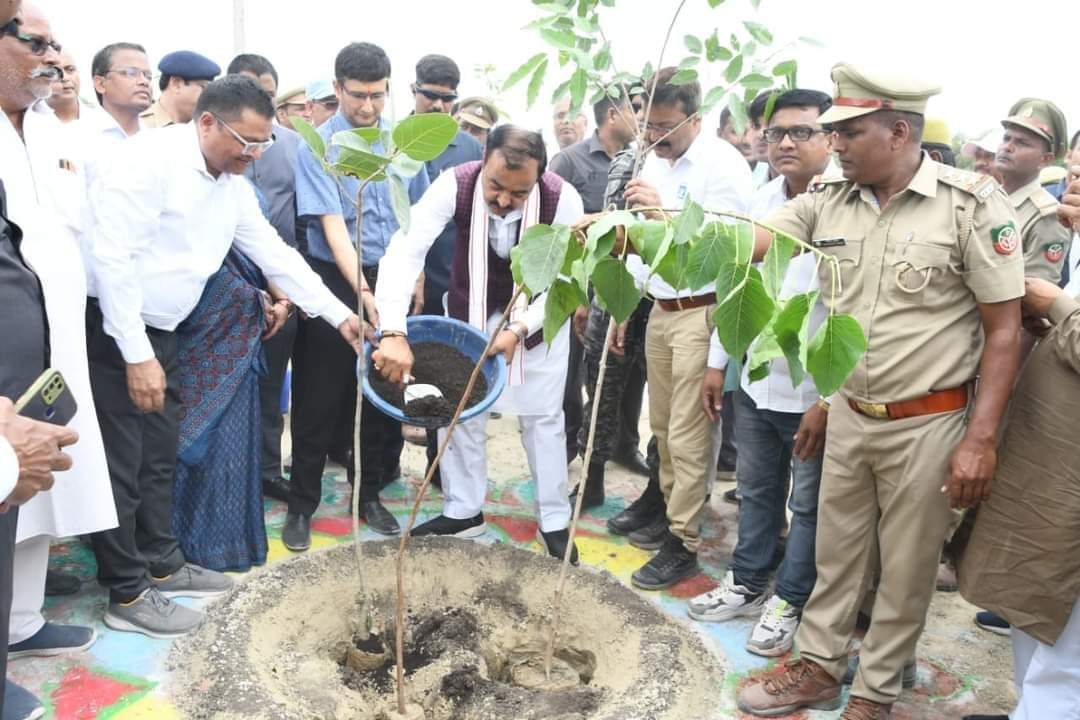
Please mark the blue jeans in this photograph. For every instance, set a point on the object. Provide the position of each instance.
(765, 439)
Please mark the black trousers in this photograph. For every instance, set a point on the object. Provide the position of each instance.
(572, 399)
(140, 449)
(277, 351)
(324, 400)
(7, 560)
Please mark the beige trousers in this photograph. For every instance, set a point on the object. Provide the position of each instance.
(880, 500)
(676, 352)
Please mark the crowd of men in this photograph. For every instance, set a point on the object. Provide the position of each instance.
(155, 252)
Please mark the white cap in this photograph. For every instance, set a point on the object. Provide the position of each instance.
(989, 142)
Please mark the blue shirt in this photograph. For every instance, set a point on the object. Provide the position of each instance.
(462, 149)
(317, 194)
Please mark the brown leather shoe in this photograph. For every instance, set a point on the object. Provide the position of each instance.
(862, 709)
(802, 684)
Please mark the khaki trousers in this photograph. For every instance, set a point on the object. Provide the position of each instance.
(880, 500)
(676, 352)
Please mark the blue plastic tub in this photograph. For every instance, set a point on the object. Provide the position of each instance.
(448, 331)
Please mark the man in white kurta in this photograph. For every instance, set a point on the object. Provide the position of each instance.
(46, 197)
(497, 199)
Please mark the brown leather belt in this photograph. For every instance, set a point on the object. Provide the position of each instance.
(687, 303)
(941, 401)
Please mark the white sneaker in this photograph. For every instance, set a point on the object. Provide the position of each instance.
(725, 602)
(775, 631)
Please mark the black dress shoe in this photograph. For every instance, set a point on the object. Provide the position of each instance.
(379, 518)
(277, 488)
(442, 525)
(732, 496)
(633, 461)
(672, 564)
(58, 583)
(652, 536)
(555, 543)
(296, 535)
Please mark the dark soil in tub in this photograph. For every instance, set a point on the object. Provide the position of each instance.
(443, 366)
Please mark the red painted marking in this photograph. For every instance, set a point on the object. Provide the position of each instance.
(332, 526)
(692, 587)
(82, 694)
(520, 530)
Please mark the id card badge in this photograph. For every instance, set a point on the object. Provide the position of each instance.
(829, 242)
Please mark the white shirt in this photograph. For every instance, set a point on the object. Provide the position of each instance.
(100, 137)
(712, 173)
(775, 391)
(9, 469)
(404, 258)
(163, 225)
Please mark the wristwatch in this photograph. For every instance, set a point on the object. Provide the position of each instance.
(823, 403)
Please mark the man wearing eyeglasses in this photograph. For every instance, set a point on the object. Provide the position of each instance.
(184, 74)
(167, 212)
(780, 424)
(324, 376)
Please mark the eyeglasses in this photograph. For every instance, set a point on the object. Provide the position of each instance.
(132, 73)
(38, 45)
(798, 133)
(331, 104)
(373, 97)
(250, 148)
(432, 95)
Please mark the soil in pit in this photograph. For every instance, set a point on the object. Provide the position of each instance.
(477, 680)
(443, 366)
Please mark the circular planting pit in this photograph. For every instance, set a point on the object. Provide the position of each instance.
(286, 643)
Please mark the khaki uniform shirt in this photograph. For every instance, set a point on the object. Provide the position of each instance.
(155, 117)
(1045, 240)
(911, 275)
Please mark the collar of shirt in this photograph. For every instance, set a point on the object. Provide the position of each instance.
(595, 146)
(101, 121)
(1018, 197)
(924, 182)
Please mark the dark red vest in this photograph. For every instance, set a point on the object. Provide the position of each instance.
(500, 279)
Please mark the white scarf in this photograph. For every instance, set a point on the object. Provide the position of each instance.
(478, 269)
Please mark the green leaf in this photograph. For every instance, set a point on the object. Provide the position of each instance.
(560, 92)
(424, 137)
(561, 302)
(770, 105)
(715, 3)
(574, 252)
(790, 328)
(405, 166)
(764, 350)
(756, 81)
(361, 165)
(689, 61)
(712, 97)
(739, 114)
(602, 59)
(743, 315)
(707, 253)
(784, 69)
(560, 40)
(311, 136)
(543, 249)
(523, 71)
(775, 264)
(812, 42)
(400, 202)
(515, 266)
(580, 273)
(672, 268)
(615, 289)
(834, 352)
(609, 220)
(683, 77)
(361, 139)
(536, 83)
(693, 44)
(734, 69)
(759, 373)
(648, 238)
(759, 32)
(579, 83)
(714, 50)
(647, 72)
(688, 222)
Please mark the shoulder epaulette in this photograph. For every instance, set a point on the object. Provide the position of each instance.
(820, 182)
(981, 186)
(1046, 203)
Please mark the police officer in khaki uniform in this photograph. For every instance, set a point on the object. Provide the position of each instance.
(184, 74)
(1035, 135)
(925, 270)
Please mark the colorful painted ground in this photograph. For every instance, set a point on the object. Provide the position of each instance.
(961, 668)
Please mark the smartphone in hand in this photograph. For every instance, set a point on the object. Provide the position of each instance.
(48, 399)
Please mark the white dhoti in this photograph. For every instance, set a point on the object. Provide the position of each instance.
(1048, 676)
(538, 403)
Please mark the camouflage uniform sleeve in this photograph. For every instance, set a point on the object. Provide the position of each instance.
(993, 264)
(622, 166)
(1046, 249)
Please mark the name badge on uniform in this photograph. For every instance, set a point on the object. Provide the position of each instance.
(681, 192)
(829, 242)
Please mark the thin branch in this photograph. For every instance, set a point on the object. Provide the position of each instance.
(652, 91)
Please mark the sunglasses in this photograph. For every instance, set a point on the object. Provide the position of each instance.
(249, 147)
(799, 133)
(38, 45)
(432, 95)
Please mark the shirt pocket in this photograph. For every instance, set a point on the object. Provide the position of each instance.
(916, 271)
(848, 258)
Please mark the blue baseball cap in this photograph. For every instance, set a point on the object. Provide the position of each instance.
(189, 65)
(319, 90)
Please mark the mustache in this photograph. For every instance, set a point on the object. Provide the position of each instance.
(50, 71)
